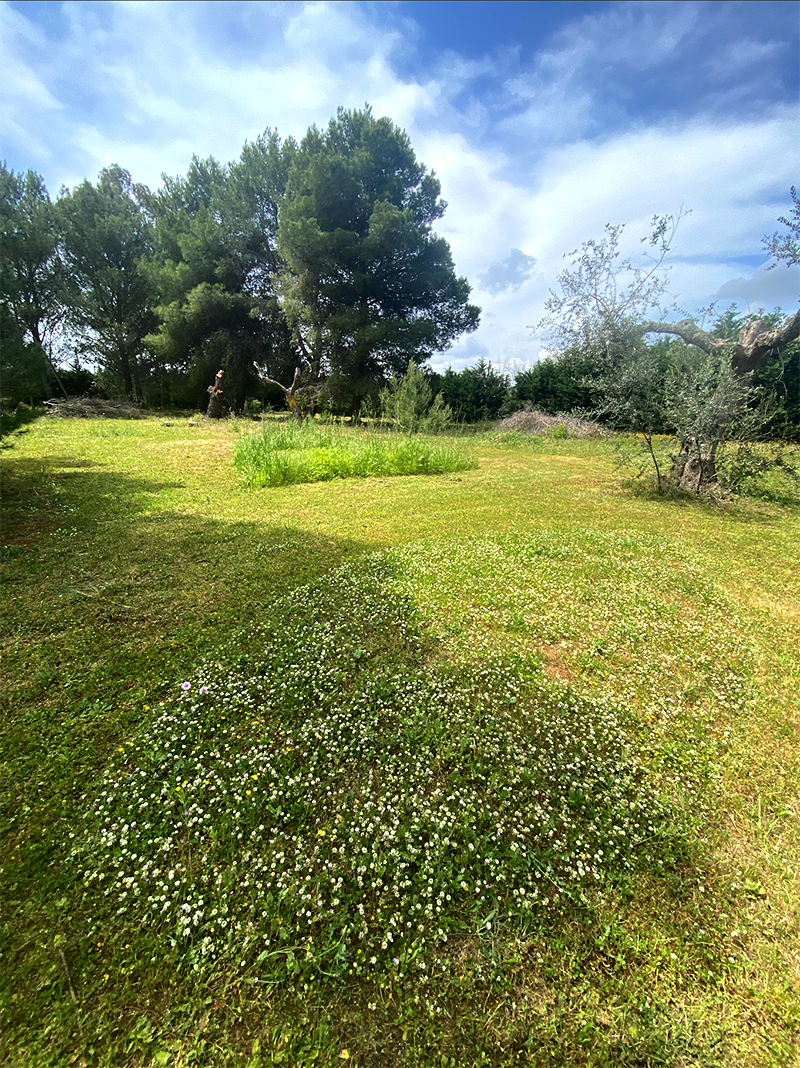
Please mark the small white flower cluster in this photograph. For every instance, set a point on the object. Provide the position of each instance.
(375, 782)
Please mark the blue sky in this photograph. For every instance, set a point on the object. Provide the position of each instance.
(543, 121)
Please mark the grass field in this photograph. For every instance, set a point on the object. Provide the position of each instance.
(490, 767)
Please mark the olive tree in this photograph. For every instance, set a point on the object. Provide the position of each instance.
(604, 308)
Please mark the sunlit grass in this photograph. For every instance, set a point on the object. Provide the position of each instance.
(290, 453)
(344, 806)
(477, 658)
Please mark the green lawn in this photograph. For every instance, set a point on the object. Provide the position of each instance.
(497, 766)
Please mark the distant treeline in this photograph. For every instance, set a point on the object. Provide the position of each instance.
(319, 255)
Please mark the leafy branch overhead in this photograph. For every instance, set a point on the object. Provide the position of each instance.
(786, 247)
(602, 291)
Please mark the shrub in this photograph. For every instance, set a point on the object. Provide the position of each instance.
(407, 403)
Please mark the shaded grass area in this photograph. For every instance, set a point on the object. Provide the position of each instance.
(377, 798)
(15, 422)
(132, 557)
(290, 453)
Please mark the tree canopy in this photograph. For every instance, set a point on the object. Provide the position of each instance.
(31, 282)
(365, 283)
(320, 255)
(213, 266)
(109, 300)
(314, 270)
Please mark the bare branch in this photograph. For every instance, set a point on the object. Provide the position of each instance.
(687, 330)
(287, 390)
(750, 349)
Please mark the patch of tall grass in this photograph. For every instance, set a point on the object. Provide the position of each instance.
(291, 453)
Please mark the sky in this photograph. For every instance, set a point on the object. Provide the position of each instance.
(543, 121)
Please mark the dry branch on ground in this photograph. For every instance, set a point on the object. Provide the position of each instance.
(532, 421)
(91, 408)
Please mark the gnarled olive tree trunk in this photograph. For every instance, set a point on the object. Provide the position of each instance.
(695, 466)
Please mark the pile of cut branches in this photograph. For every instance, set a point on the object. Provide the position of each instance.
(532, 421)
(91, 408)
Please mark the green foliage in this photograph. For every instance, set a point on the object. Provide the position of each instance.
(407, 403)
(406, 400)
(157, 291)
(695, 390)
(767, 470)
(555, 385)
(777, 378)
(476, 394)
(708, 402)
(631, 393)
(77, 380)
(215, 234)
(786, 247)
(106, 237)
(31, 271)
(31, 285)
(24, 371)
(285, 454)
(439, 417)
(603, 295)
(366, 285)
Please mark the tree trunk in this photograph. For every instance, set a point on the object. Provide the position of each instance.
(748, 352)
(694, 466)
(216, 401)
(127, 378)
(288, 391)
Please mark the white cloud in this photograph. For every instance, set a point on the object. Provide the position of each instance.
(722, 174)
(539, 161)
(24, 91)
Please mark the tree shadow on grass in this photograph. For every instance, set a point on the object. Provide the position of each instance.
(762, 509)
(108, 604)
(109, 601)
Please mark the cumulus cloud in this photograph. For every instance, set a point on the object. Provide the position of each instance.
(765, 288)
(534, 157)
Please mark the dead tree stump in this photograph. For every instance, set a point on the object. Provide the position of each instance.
(216, 400)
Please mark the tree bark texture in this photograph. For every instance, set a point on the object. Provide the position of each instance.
(750, 349)
(216, 402)
(695, 466)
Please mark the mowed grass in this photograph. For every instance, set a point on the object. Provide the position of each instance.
(493, 767)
